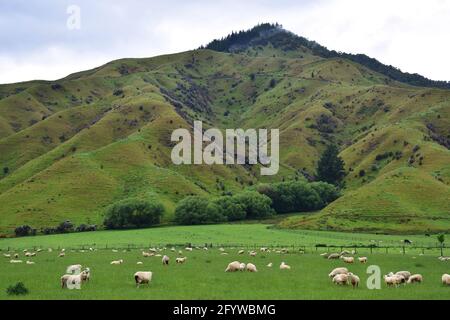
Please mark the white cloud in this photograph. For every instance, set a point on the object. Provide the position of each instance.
(411, 35)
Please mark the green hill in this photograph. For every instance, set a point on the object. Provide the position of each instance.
(69, 148)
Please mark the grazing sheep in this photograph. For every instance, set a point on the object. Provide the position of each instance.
(404, 274)
(393, 280)
(30, 262)
(221, 249)
(142, 277)
(15, 261)
(188, 249)
(39, 250)
(74, 269)
(325, 255)
(62, 254)
(181, 260)
(362, 259)
(16, 256)
(165, 260)
(348, 259)
(341, 279)
(345, 253)
(224, 253)
(173, 249)
(71, 281)
(251, 267)
(115, 251)
(353, 279)
(270, 265)
(158, 255)
(30, 254)
(241, 252)
(415, 278)
(446, 279)
(333, 256)
(205, 248)
(139, 262)
(7, 255)
(337, 271)
(233, 266)
(242, 267)
(284, 266)
(116, 262)
(146, 254)
(263, 249)
(252, 253)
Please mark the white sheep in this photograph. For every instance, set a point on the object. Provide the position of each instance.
(415, 278)
(85, 275)
(284, 266)
(117, 262)
(251, 267)
(353, 279)
(233, 266)
(16, 256)
(270, 265)
(71, 281)
(337, 271)
(142, 277)
(362, 259)
(147, 254)
(333, 256)
(139, 262)
(446, 279)
(188, 249)
(165, 260)
(242, 267)
(30, 262)
(7, 255)
(348, 259)
(62, 254)
(341, 279)
(115, 251)
(252, 253)
(181, 260)
(15, 261)
(393, 280)
(404, 274)
(241, 252)
(74, 269)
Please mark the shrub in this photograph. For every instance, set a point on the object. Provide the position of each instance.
(255, 204)
(230, 208)
(327, 192)
(25, 230)
(133, 213)
(5, 170)
(64, 227)
(194, 210)
(86, 227)
(17, 289)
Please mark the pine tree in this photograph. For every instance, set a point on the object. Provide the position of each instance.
(331, 167)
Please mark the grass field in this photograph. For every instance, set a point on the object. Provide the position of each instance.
(203, 276)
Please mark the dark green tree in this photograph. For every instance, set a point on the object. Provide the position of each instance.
(330, 167)
(441, 239)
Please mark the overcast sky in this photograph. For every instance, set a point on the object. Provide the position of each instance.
(36, 42)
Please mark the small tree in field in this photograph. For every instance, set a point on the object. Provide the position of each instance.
(441, 239)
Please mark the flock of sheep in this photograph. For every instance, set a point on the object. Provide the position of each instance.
(75, 275)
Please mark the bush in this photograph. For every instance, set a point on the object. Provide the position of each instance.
(86, 227)
(230, 208)
(133, 213)
(194, 210)
(64, 227)
(25, 230)
(327, 192)
(17, 289)
(255, 204)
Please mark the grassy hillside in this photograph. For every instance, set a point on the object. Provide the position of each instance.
(71, 147)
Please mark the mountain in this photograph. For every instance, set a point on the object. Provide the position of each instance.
(71, 147)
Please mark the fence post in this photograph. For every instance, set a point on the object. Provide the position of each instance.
(403, 249)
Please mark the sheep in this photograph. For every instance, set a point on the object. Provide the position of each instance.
(221, 249)
(415, 278)
(325, 255)
(444, 258)
(146, 254)
(30, 254)
(348, 259)
(241, 252)
(405, 274)
(139, 262)
(353, 279)
(337, 271)
(446, 279)
(117, 262)
(142, 277)
(115, 251)
(284, 266)
(180, 252)
(188, 249)
(242, 267)
(333, 256)
(233, 266)
(158, 255)
(362, 259)
(15, 261)
(173, 249)
(16, 256)
(74, 269)
(252, 253)
(62, 254)
(270, 265)
(224, 253)
(165, 260)
(85, 275)
(393, 280)
(181, 260)
(263, 249)
(29, 262)
(345, 253)
(39, 250)
(7, 255)
(71, 281)
(251, 267)
(205, 248)
(341, 279)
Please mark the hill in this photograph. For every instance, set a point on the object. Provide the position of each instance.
(71, 147)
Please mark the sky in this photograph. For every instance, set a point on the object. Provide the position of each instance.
(49, 39)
